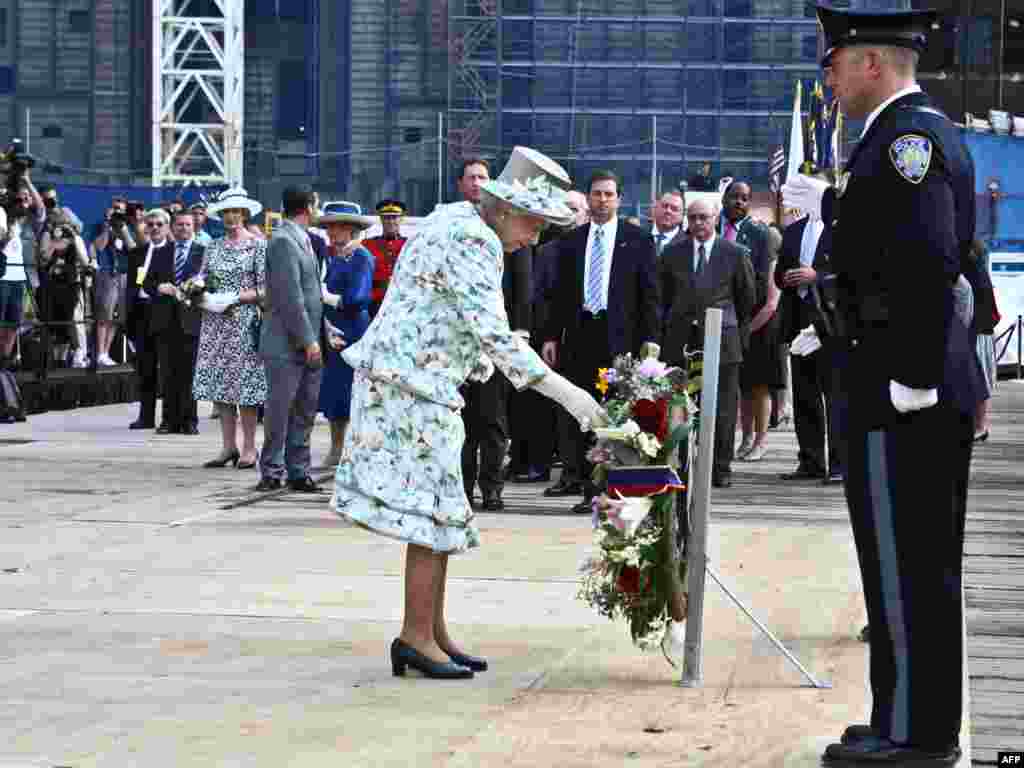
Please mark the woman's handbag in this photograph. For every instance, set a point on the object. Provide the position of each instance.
(256, 326)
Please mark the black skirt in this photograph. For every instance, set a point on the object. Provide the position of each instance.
(763, 361)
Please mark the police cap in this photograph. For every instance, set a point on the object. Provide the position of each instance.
(390, 208)
(906, 29)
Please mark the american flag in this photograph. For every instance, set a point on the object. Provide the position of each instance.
(775, 165)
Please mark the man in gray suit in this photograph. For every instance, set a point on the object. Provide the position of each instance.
(700, 272)
(290, 347)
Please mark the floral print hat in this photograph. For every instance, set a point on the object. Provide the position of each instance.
(535, 184)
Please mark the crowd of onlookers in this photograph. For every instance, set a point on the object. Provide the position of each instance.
(139, 270)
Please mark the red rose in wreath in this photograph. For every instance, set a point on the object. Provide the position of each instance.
(629, 580)
(652, 416)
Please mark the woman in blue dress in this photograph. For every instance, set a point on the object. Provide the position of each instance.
(347, 291)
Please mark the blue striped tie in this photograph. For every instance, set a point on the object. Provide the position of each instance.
(595, 275)
(179, 262)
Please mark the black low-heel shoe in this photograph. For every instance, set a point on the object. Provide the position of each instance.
(403, 655)
(474, 663)
(223, 461)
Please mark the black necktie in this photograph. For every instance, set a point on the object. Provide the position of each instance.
(700, 258)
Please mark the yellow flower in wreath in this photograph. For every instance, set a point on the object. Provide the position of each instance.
(601, 385)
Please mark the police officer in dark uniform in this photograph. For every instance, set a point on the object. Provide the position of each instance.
(902, 213)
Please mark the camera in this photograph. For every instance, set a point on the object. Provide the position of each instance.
(64, 232)
(14, 164)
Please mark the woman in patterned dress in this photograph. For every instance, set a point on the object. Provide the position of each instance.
(443, 320)
(228, 370)
(348, 292)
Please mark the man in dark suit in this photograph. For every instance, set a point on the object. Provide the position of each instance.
(603, 303)
(176, 325)
(706, 271)
(804, 275)
(668, 225)
(912, 383)
(139, 313)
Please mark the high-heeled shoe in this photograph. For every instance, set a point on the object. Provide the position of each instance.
(232, 458)
(246, 465)
(474, 663)
(404, 655)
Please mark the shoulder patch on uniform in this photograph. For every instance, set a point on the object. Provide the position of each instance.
(911, 154)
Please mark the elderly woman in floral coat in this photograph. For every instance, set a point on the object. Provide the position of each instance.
(443, 321)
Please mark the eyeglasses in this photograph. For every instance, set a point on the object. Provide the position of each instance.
(155, 224)
(698, 217)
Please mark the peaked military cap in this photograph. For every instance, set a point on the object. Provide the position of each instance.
(906, 29)
(390, 208)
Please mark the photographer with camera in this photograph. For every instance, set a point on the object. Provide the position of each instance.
(111, 243)
(63, 267)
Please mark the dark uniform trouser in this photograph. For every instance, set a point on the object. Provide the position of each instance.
(485, 418)
(145, 362)
(177, 351)
(817, 409)
(725, 418)
(589, 352)
(906, 487)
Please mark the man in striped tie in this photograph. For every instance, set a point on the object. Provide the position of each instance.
(604, 303)
(176, 326)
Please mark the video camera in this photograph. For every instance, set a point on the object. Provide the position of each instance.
(14, 164)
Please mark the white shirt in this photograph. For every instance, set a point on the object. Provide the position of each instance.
(708, 245)
(14, 251)
(609, 230)
(878, 110)
(669, 236)
(145, 267)
(809, 246)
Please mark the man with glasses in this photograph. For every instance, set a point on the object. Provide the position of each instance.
(139, 312)
(708, 271)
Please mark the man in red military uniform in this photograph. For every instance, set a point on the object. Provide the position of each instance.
(385, 249)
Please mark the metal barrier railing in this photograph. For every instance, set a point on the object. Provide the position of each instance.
(1014, 332)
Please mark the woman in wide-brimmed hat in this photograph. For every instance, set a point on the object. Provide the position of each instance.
(229, 373)
(348, 291)
(443, 321)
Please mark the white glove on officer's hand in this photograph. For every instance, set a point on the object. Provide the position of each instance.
(904, 399)
(806, 342)
(330, 299)
(805, 193)
(580, 405)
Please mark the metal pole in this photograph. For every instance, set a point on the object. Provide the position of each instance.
(654, 161)
(440, 157)
(1020, 365)
(700, 482)
(28, 129)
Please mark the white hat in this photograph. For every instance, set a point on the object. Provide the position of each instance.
(344, 212)
(235, 198)
(534, 183)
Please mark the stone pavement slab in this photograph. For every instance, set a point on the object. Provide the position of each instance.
(256, 634)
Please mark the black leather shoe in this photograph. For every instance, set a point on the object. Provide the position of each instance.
(474, 663)
(884, 752)
(803, 473)
(493, 502)
(855, 733)
(583, 508)
(305, 485)
(140, 424)
(269, 484)
(166, 429)
(833, 478)
(223, 461)
(570, 488)
(191, 429)
(404, 656)
(722, 481)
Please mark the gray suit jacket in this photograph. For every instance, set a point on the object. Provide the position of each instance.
(292, 308)
(727, 283)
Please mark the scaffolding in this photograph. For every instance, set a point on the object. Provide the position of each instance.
(474, 78)
(198, 98)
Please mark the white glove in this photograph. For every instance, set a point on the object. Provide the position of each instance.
(580, 405)
(806, 342)
(805, 193)
(330, 299)
(904, 399)
(522, 334)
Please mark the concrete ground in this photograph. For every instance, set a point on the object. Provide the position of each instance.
(156, 614)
